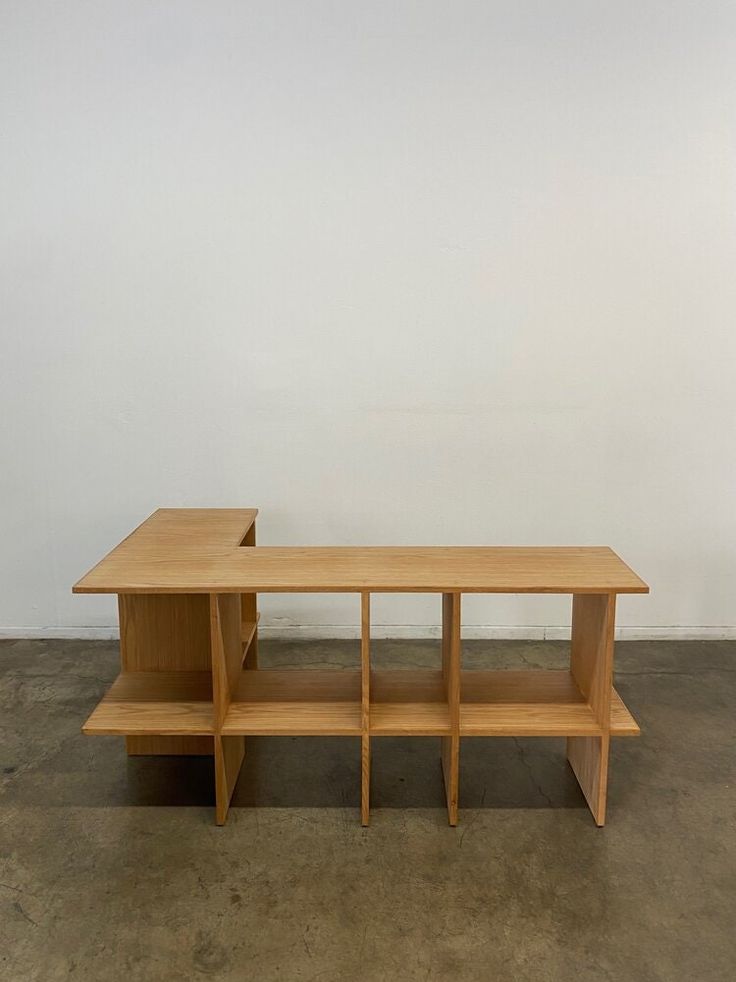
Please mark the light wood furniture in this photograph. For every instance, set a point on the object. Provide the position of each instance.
(188, 579)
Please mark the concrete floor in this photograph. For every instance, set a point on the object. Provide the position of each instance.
(113, 868)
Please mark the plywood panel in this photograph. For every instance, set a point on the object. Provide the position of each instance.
(591, 664)
(249, 611)
(293, 719)
(226, 631)
(227, 650)
(451, 678)
(533, 703)
(172, 567)
(365, 701)
(229, 753)
(410, 719)
(157, 704)
(160, 632)
(588, 757)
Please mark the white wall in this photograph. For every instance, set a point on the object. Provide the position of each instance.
(395, 272)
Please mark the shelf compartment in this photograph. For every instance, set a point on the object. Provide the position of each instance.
(295, 702)
(155, 704)
(408, 702)
(532, 703)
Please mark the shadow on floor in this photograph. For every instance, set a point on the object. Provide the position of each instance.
(324, 772)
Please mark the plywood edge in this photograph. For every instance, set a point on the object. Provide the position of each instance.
(111, 718)
(79, 585)
(642, 586)
(623, 723)
(86, 584)
(410, 719)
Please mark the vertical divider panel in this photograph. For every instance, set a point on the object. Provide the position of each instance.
(451, 677)
(591, 665)
(165, 633)
(249, 612)
(365, 707)
(227, 659)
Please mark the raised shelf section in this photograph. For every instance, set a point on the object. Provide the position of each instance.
(532, 703)
(155, 704)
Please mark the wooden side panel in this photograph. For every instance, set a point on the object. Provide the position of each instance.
(165, 633)
(227, 659)
(588, 757)
(227, 651)
(229, 753)
(451, 677)
(591, 651)
(365, 698)
(591, 664)
(249, 611)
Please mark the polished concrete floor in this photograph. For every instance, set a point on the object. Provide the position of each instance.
(112, 868)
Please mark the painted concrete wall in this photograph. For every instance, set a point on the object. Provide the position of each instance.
(392, 272)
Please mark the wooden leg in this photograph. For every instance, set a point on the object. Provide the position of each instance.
(588, 757)
(591, 664)
(450, 772)
(365, 739)
(365, 782)
(229, 753)
(227, 659)
(165, 633)
(451, 676)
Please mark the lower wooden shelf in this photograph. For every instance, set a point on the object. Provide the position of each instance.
(293, 719)
(408, 702)
(328, 703)
(155, 704)
(295, 702)
(532, 703)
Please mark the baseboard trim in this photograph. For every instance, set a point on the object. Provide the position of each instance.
(471, 632)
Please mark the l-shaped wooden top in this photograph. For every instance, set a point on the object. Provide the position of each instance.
(199, 550)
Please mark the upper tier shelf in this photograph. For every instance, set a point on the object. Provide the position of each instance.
(199, 551)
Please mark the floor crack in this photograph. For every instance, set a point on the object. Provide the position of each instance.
(17, 906)
(526, 763)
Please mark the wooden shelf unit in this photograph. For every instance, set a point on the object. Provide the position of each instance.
(190, 681)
